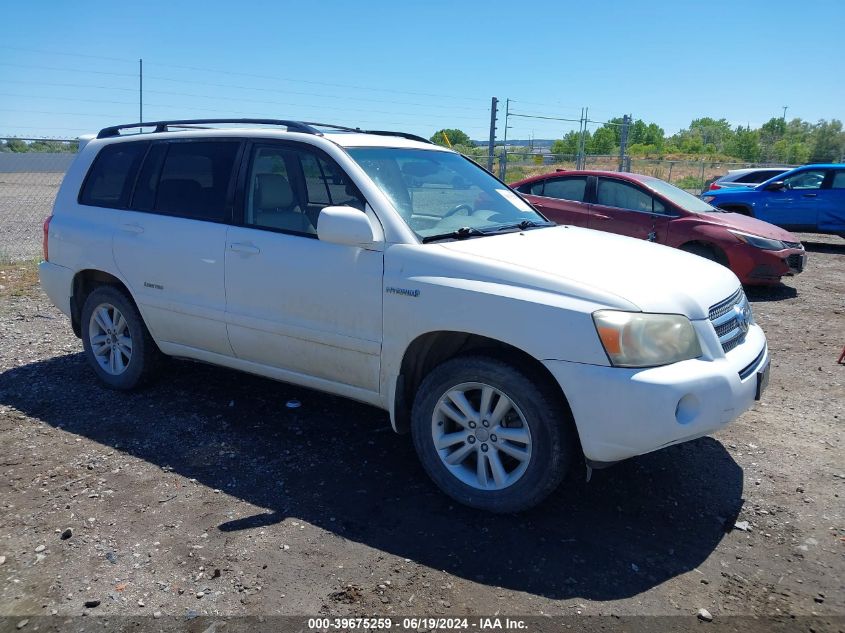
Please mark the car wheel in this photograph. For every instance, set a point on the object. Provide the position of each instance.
(117, 344)
(490, 435)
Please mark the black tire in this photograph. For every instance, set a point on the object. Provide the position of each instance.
(145, 353)
(553, 440)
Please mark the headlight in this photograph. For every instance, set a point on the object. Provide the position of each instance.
(763, 243)
(708, 199)
(635, 339)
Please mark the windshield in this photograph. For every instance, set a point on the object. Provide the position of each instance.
(681, 198)
(438, 193)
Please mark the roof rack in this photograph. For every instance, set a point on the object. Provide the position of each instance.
(306, 127)
(411, 137)
(161, 126)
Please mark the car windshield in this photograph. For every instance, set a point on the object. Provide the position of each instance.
(442, 194)
(681, 198)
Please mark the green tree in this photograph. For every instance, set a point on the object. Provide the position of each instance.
(828, 142)
(568, 144)
(791, 153)
(744, 144)
(456, 137)
(16, 145)
(603, 141)
(771, 132)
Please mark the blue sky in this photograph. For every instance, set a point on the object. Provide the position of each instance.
(71, 67)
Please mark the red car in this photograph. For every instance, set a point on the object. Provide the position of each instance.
(648, 208)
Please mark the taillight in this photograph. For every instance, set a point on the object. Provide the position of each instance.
(714, 186)
(44, 248)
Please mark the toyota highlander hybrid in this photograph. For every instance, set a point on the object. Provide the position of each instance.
(377, 266)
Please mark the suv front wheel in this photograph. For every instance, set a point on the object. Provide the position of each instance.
(490, 436)
(117, 344)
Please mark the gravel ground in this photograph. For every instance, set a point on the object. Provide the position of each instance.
(205, 494)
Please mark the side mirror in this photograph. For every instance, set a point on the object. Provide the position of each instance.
(344, 225)
(777, 185)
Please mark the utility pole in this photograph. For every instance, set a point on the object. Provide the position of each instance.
(491, 145)
(503, 161)
(581, 163)
(623, 141)
(578, 148)
(140, 90)
(784, 113)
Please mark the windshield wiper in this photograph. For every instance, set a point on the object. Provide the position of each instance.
(459, 234)
(522, 226)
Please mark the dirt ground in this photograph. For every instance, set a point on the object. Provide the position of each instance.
(206, 495)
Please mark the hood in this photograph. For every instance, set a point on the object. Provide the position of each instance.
(650, 276)
(748, 224)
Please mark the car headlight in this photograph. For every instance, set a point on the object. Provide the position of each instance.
(636, 339)
(708, 199)
(763, 243)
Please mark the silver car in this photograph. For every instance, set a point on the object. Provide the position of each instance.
(748, 177)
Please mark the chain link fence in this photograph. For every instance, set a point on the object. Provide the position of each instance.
(28, 185)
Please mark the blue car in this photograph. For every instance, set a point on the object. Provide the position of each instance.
(809, 199)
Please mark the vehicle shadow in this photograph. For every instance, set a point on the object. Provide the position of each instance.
(824, 247)
(334, 464)
(779, 292)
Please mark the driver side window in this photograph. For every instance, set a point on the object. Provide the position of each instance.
(288, 187)
(615, 193)
(810, 179)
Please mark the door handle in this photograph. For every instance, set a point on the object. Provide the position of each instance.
(246, 248)
(601, 216)
(809, 195)
(132, 228)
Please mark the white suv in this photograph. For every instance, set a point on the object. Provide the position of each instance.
(377, 266)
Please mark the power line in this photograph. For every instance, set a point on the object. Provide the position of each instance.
(65, 54)
(545, 118)
(379, 122)
(205, 96)
(217, 110)
(310, 82)
(67, 70)
(88, 114)
(188, 81)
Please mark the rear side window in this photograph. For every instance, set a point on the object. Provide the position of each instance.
(758, 176)
(838, 180)
(110, 180)
(566, 189)
(532, 188)
(194, 179)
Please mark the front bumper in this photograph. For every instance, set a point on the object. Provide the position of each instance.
(622, 412)
(756, 266)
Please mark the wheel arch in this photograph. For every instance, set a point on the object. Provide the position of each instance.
(84, 283)
(721, 256)
(433, 348)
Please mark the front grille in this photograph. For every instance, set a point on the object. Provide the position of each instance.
(795, 262)
(731, 318)
(792, 244)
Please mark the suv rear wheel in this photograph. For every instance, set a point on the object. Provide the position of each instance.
(490, 436)
(117, 344)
